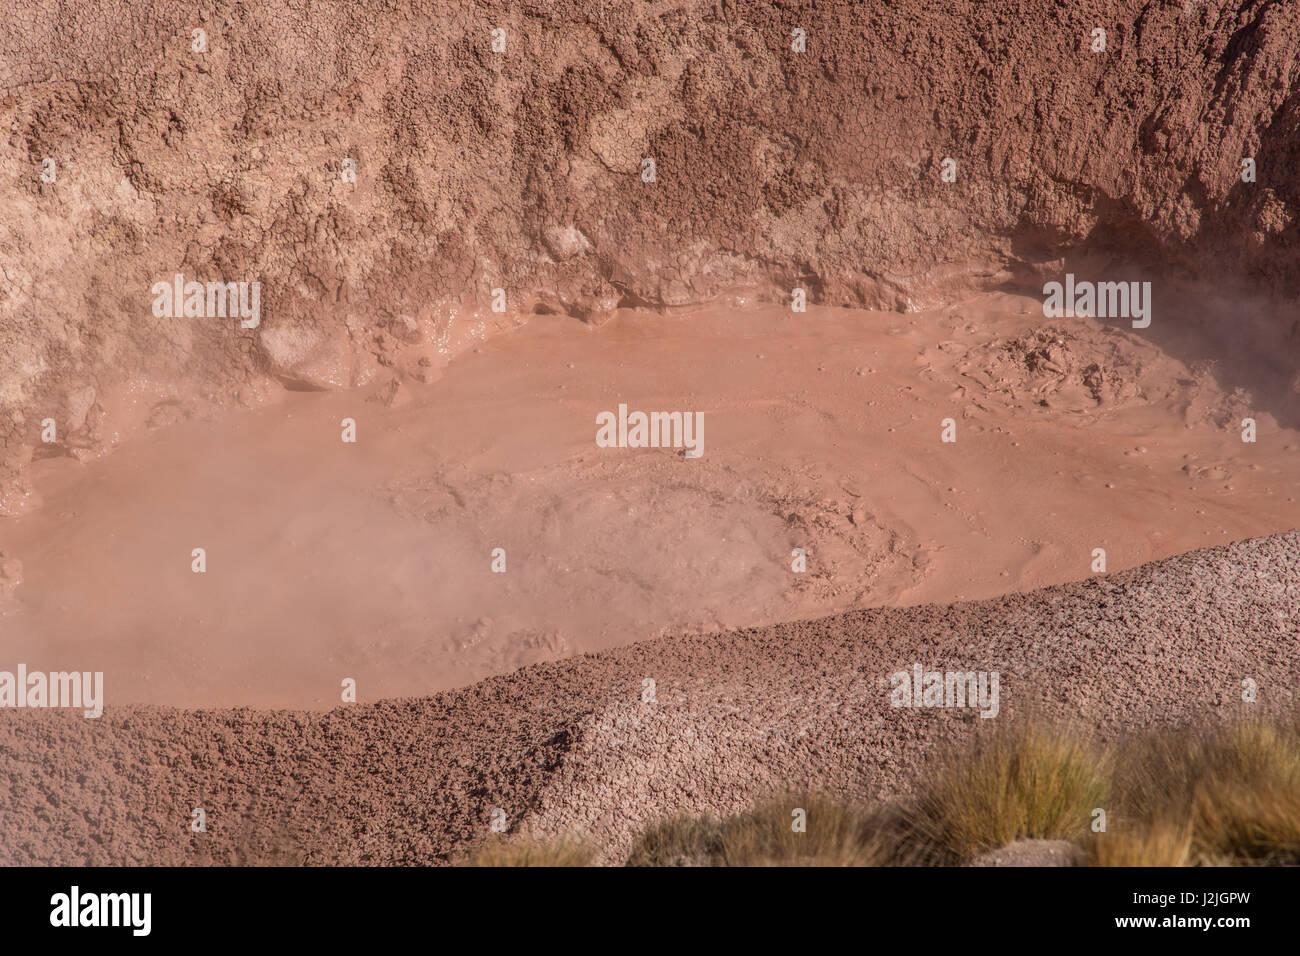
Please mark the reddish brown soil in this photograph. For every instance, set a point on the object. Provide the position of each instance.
(521, 171)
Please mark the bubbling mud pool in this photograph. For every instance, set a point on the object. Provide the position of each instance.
(476, 526)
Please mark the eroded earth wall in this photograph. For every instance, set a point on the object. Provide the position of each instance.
(379, 169)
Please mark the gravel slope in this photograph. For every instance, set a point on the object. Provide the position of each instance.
(571, 746)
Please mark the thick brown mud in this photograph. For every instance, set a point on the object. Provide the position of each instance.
(377, 560)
